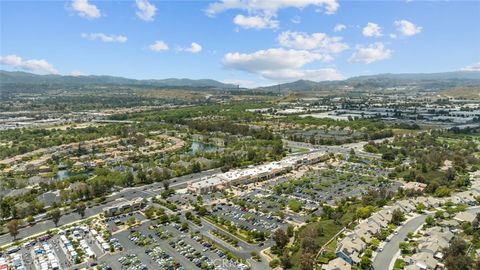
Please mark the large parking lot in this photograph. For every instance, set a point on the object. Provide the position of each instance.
(248, 219)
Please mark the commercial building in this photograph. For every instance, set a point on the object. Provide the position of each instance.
(123, 207)
(254, 173)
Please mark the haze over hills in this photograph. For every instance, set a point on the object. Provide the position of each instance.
(18, 77)
(424, 81)
(420, 81)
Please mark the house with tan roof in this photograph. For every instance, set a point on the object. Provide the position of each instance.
(423, 260)
(406, 206)
(337, 264)
(350, 248)
(464, 217)
(386, 214)
(377, 218)
(366, 230)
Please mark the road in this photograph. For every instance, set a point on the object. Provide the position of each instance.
(124, 194)
(149, 191)
(390, 250)
(384, 259)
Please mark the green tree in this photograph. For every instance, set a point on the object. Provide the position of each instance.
(274, 263)
(196, 168)
(285, 259)
(430, 220)
(80, 209)
(166, 185)
(150, 212)
(290, 231)
(397, 217)
(442, 191)
(456, 257)
(307, 260)
(280, 238)
(131, 221)
(30, 219)
(55, 215)
(365, 263)
(129, 179)
(13, 227)
(420, 207)
(365, 212)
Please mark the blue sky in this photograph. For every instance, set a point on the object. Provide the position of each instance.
(250, 42)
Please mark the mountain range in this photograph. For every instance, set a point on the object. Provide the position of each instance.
(419, 81)
(18, 77)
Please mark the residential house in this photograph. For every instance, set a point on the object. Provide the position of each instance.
(350, 248)
(423, 260)
(406, 206)
(465, 217)
(337, 264)
(366, 230)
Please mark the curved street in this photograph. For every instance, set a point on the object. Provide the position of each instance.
(383, 259)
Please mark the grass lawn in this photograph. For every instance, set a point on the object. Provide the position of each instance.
(329, 230)
(399, 131)
(429, 176)
(399, 264)
(332, 246)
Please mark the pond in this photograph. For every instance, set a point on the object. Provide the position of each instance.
(199, 146)
(62, 174)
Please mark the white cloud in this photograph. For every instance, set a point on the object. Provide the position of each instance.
(296, 20)
(393, 36)
(371, 53)
(194, 48)
(34, 65)
(339, 27)
(320, 42)
(279, 64)
(146, 11)
(11, 60)
(407, 28)
(104, 37)
(271, 59)
(256, 22)
(85, 9)
(158, 46)
(323, 74)
(269, 6)
(474, 67)
(372, 30)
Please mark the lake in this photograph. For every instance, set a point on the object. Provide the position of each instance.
(199, 146)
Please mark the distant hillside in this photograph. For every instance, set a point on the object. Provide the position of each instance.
(7, 77)
(425, 81)
(463, 93)
(395, 82)
(460, 75)
(421, 81)
(303, 86)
